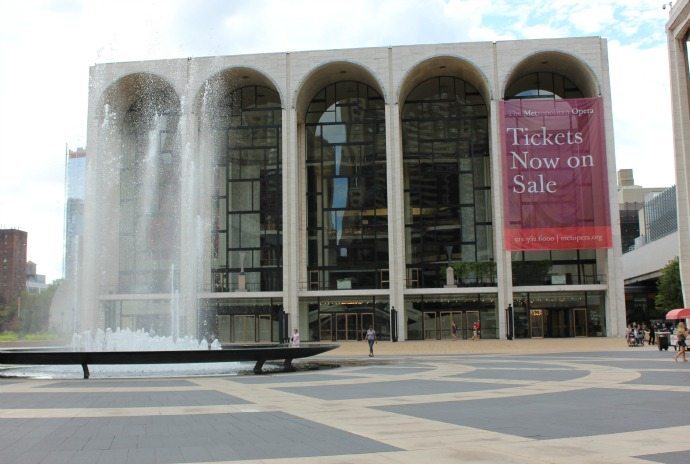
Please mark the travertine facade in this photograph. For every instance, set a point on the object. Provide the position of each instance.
(677, 31)
(201, 295)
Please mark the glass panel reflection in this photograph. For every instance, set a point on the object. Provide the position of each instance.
(447, 183)
(247, 240)
(346, 189)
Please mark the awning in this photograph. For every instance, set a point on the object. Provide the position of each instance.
(681, 313)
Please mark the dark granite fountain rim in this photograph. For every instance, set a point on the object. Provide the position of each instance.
(229, 353)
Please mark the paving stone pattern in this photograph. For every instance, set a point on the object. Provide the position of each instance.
(620, 406)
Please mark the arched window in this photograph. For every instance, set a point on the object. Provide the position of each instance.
(247, 234)
(543, 85)
(447, 175)
(535, 267)
(347, 219)
(149, 194)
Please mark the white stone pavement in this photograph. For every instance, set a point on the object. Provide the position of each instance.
(579, 401)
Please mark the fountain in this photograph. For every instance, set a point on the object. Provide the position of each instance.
(140, 340)
(126, 348)
(153, 189)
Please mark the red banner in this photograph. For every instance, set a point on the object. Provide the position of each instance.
(554, 174)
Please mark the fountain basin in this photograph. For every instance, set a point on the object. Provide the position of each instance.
(230, 353)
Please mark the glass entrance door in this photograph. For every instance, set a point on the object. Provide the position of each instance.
(471, 317)
(264, 328)
(580, 322)
(430, 329)
(244, 328)
(557, 322)
(366, 320)
(446, 320)
(437, 326)
(536, 323)
(325, 327)
(346, 326)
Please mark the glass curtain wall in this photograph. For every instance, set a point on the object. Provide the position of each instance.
(430, 317)
(346, 319)
(347, 220)
(557, 267)
(447, 175)
(149, 195)
(562, 314)
(245, 320)
(153, 316)
(247, 236)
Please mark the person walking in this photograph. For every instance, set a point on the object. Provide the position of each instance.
(681, 335)
(454, 330)
(371, 339)
(652, 335)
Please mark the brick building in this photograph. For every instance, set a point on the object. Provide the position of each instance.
(12, 265)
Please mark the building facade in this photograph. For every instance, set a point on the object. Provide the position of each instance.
(75, 185)
(678, 30)
(35, 282)
(651, 227)
(330, 191)
(12, 265)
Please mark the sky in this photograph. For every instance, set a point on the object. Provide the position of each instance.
(47, 47)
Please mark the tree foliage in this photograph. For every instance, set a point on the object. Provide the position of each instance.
(31, 312)
(670, 292)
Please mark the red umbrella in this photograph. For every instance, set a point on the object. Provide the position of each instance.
(680, 313)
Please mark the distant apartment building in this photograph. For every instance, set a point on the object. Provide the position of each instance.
(631, 201)
(35, 283)
(649, 236)
(12, 265)
(75, 172)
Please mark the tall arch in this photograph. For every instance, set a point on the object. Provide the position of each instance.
(240, 115)
(444, 66)
(446, 173)
(551, 74)
(554, 75)
(140, 118)
(330, 73)
(347, 221)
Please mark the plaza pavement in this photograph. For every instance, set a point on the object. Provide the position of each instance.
(585, 400)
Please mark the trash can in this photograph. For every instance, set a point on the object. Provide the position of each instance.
(662, 340)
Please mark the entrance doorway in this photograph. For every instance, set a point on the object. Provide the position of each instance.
(558, 322)
(437, 326)
(430, 326)
(344, 326)
(471, 317)
(245, 328)
(536, 323)
(325, 327)
(580, 322)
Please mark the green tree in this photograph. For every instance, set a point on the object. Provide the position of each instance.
(670, 293)
(8, 313)
(30, 313)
